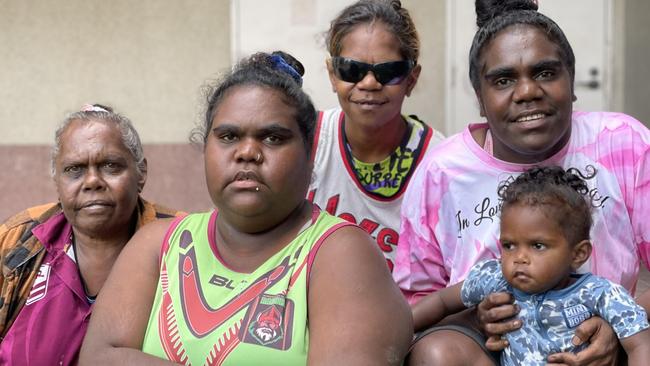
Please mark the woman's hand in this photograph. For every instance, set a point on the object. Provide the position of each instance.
(495, 315)
(602, 350)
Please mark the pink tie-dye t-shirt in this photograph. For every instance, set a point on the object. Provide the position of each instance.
(450, 212)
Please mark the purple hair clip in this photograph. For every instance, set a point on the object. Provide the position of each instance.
(280, 64)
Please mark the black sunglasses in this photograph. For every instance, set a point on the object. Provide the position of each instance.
(386, 73)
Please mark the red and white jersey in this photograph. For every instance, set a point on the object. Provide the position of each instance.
(336, 188)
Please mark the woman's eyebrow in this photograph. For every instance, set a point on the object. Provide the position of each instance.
(114, 158)
(509, 71)
(72, 161)
(226, 127)
(275, 128)
(547, 64)
(499, 72)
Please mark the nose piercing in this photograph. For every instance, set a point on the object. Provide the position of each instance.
(258, 159)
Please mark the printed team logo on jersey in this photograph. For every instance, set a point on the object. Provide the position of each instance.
(39, 289)
(576, 314)
(265, 323)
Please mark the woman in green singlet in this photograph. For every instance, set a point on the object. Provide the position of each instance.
(266, 278)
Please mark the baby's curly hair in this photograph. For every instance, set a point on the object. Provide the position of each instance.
(561, 192)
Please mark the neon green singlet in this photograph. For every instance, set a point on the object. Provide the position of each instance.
(206, 314)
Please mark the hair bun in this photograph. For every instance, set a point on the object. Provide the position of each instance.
(486, 10)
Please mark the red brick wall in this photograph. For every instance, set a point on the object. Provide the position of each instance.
(175, 177)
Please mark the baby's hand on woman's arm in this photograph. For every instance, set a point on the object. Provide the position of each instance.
(602, 349)
(495, 316)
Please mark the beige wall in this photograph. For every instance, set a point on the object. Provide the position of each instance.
(146, 58)
(637, 57)
(428, 98)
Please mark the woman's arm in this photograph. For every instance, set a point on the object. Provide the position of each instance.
(357, 315)
(644, 301)
(121, 314)
(637, 348)
(435, 306)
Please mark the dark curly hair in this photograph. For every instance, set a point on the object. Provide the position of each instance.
(389, 12)
(563, 192)
(493, 16)
(278, 71)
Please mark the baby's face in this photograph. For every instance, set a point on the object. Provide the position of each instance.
(535, 253)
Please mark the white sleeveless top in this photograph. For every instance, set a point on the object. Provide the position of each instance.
(336, 189)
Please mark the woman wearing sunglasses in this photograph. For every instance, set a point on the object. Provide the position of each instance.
(366, 150)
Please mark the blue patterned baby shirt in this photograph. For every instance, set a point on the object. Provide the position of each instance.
(550, 318)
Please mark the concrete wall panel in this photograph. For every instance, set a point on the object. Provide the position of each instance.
(145, 58)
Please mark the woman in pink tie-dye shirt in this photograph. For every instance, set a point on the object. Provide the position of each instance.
(522, 69)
